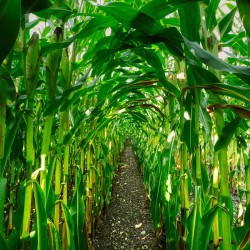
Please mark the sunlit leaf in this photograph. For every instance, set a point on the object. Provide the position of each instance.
(214, 62)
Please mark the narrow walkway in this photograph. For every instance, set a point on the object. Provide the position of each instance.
(127, 223)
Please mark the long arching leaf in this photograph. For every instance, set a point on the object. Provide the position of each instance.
(9, 26)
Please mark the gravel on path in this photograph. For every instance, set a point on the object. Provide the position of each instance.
(127, 222)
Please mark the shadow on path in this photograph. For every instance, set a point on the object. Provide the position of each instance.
(127, 222)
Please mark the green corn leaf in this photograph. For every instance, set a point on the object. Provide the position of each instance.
(227, 134)
(194, 219)
(138, 116)
(225, 25)
(169, 193)
(190, 21)
(243, 233)
(247, 217)
(4, 72)
(41, 217)
(9, 26)
(95, 24)
(67, 102)
(204, 228)
(200, 226)
(77, 211)
(104, 123)
(153, 60)
(3, 242)
(214, 62)
(13, 240)
(69, 226)
(172, 39)
(205, 79)
(7, 90)
(54, 236)
(10, 135)
(30, 6)
(75, 128)
(158, 9)
(155, 204)
(3, 183)
(47, 48)
(59, 9)
(132, 18)
(52, 108)
(64, 101)
(211, 21)
(3, 6)
(202, 75)
(244, 9)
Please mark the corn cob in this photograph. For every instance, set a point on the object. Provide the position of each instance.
(32, 65)
(52, 65)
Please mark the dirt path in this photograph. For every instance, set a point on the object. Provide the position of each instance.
(127, 223)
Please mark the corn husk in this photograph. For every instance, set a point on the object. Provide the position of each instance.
(52, 65)
(32, 65)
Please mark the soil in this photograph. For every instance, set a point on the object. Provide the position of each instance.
(126, 222)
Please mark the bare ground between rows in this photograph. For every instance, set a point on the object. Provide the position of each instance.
(126, 222)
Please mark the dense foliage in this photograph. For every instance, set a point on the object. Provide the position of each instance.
(77, 78)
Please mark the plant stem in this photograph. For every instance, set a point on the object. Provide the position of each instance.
(247, 176)
(45, 151)
(2, 130)
(224, 186)
(197, 128)
(59, 169)
(216, 193)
